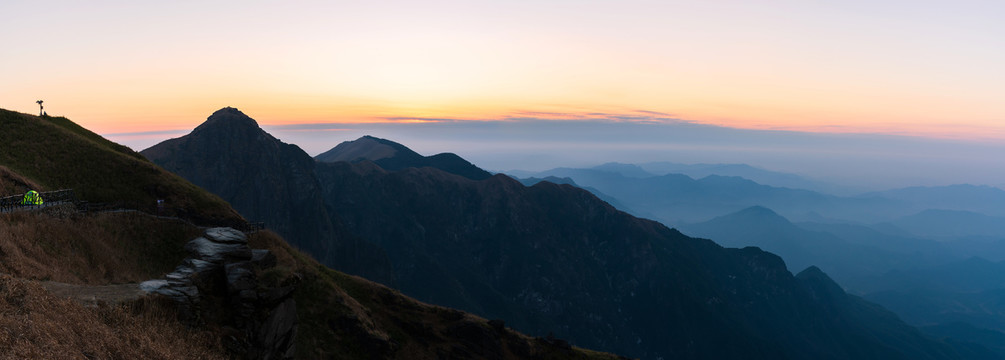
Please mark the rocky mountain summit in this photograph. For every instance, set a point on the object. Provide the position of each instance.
(265, 179)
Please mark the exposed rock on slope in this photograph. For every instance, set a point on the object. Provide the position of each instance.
(223, 266)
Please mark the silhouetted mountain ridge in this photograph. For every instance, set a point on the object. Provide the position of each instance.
(265, 180)
(555, 258)
(393, 156)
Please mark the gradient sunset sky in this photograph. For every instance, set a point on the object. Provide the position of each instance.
(916, 67)
(929, 68)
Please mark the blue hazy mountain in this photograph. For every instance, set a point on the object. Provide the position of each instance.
(759, 175)
(921, 251)
(922, 280)
(982, 311)
(850, 253)
(986, 200)
(964, 299)
(991, 339)
(676, 199)
(952, 224)
(974, 274)
(628, 170)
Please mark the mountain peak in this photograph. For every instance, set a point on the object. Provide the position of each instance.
(228, 110)
(393, 156)
(365, 148)
(751, 215)
(821, 285)
(758, 210)
(229, 118)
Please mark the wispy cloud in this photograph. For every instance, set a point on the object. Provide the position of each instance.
(654, 113)
(635, 116)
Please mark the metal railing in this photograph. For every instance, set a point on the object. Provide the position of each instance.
(67, 196)
(49, 198)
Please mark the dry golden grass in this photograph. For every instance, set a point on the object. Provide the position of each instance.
(65, 246)
(36, 325)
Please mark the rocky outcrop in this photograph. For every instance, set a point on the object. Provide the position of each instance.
(221, 271)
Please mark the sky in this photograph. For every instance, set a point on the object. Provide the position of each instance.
(140, 72)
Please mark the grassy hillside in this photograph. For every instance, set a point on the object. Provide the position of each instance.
(340, 316)
(94, 249)
(55, 153)
(61, 244)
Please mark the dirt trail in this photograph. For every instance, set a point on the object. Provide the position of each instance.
(96, 294)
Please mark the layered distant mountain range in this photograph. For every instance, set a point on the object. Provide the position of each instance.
(677, 198)
(898, 247)
(547, 258)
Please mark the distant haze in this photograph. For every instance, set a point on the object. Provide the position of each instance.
(870, 161)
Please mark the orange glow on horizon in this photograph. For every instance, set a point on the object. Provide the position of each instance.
(99, 119)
